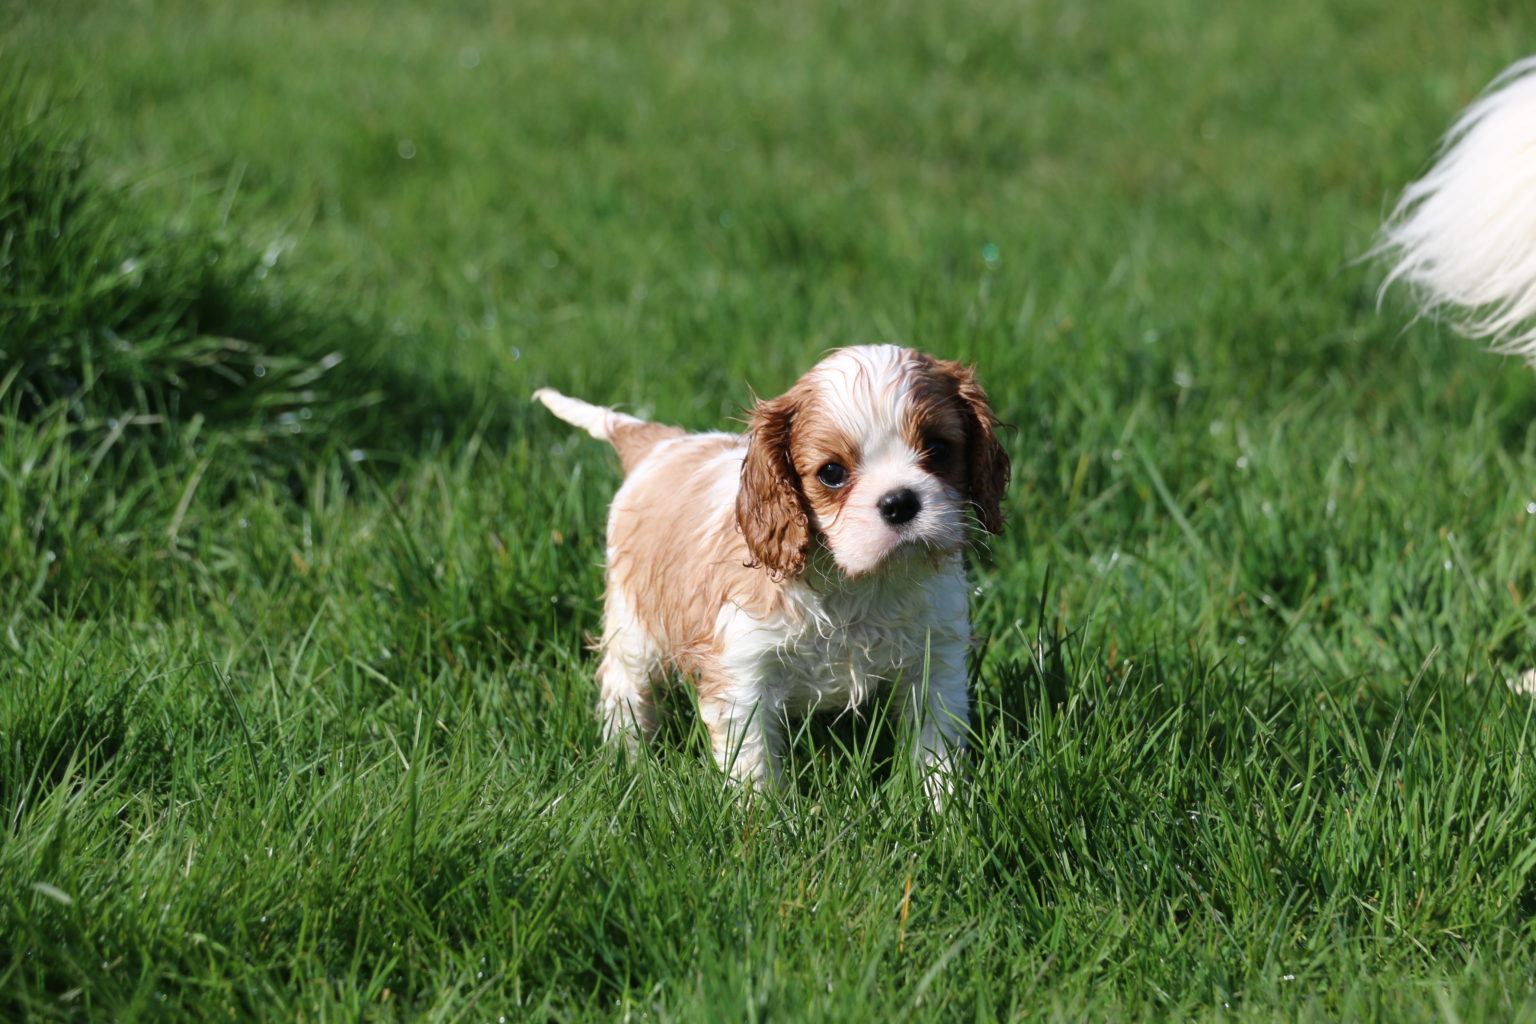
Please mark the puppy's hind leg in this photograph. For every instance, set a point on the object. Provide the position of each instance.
(630, 661)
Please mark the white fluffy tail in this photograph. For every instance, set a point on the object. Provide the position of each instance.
(597, 420)
(632, 437)
(1464, 236)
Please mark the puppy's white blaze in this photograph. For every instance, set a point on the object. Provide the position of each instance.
(865, 391)
(1464, 236)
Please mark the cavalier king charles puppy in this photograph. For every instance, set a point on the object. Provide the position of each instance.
(805, 564)
(1464, 235)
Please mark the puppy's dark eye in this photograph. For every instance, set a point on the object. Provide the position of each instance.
(938, 451)
(832, 475)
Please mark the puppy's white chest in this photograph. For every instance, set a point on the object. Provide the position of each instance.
(845, 646)
(845, 666)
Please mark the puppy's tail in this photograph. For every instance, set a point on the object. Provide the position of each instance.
(1464, 235)
(632, 437)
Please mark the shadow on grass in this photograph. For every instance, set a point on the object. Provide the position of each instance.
(120, 319)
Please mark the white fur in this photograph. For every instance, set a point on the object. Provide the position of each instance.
(1464, 236)
(596, 420)
(842, 641)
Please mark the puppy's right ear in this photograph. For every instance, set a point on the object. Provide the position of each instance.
(770, 507)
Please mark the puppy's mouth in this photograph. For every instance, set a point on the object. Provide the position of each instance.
(898, 549)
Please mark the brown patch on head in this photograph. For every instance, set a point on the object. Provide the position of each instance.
(949, 406)
(770, 506)
(817, 443)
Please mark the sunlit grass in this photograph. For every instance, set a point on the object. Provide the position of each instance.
(296, 589)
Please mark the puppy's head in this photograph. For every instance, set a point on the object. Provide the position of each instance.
(877, 452)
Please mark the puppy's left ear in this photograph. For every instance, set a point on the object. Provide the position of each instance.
(988, 466)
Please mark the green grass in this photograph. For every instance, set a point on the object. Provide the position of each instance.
(296, 588)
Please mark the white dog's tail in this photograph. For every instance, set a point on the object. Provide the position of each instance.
(1464, 235)
(632, 437)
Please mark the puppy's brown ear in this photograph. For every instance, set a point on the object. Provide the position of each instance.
(988, 467)
(770, 507)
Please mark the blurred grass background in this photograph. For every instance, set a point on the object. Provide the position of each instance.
(295, 586)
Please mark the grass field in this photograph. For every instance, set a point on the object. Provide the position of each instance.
(295, 586)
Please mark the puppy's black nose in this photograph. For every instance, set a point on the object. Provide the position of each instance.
(899, 507)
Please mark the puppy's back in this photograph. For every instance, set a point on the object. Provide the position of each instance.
(674, 547)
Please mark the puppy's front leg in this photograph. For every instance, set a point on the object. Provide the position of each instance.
(937, 710)
(744, 731)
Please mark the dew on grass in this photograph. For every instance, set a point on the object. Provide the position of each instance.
(357, 455)
(469, 57)
(406, 149)
(1447, 565)
(1530, 508)
(330, 359)
(1242, 462)
(258, 370)
(549, 259)
(245, 524)
(990, 253)
(1116, 455)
